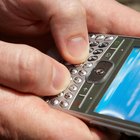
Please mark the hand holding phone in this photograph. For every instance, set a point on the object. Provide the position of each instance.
(105, 90)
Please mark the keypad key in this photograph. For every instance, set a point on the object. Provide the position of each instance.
(109, 38)
(100, 37)
(98, 51)
(82, 72)
(54, 102)
(92, 58)
(73, 88)
(94, 43)
(77, 80)
(88, 65)
(104, 44)
(64, 104)
(91, 50)
(68, 95)
(73, 71)
(92, 35)
(79, 65)
(61, 94)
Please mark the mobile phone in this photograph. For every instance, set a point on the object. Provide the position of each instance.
(105, 90)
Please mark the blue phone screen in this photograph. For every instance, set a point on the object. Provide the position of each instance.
(122, 99)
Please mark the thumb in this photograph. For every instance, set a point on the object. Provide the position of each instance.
(69, 29)
(67, 22)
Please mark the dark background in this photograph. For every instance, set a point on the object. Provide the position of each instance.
(135, 4)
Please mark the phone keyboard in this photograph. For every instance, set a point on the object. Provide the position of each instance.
(98, 43)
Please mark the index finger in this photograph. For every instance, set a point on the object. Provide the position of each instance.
(69, 29)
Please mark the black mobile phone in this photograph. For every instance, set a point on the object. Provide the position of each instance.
(105, 90)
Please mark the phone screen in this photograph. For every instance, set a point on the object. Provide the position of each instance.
(122, 99)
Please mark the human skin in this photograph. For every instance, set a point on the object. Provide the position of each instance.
(27, 73)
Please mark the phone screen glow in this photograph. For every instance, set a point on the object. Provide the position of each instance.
(122, 99)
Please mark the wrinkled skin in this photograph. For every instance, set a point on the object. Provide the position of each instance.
(27, 73)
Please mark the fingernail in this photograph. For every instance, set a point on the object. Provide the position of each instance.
(61, 77)
(78, 48)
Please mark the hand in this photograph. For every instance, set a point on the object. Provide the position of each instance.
(62, 19)
(29, 66)
(38, 17)
(102, 17)
(111, 17)
(24, 116)
(32, 71)
(28, 117)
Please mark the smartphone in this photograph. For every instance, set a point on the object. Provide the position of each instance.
(105, 90)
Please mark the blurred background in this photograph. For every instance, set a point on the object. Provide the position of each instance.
(135, 4)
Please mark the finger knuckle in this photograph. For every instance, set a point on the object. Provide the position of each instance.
(29, 65)
(76, 10)
(71, 10)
